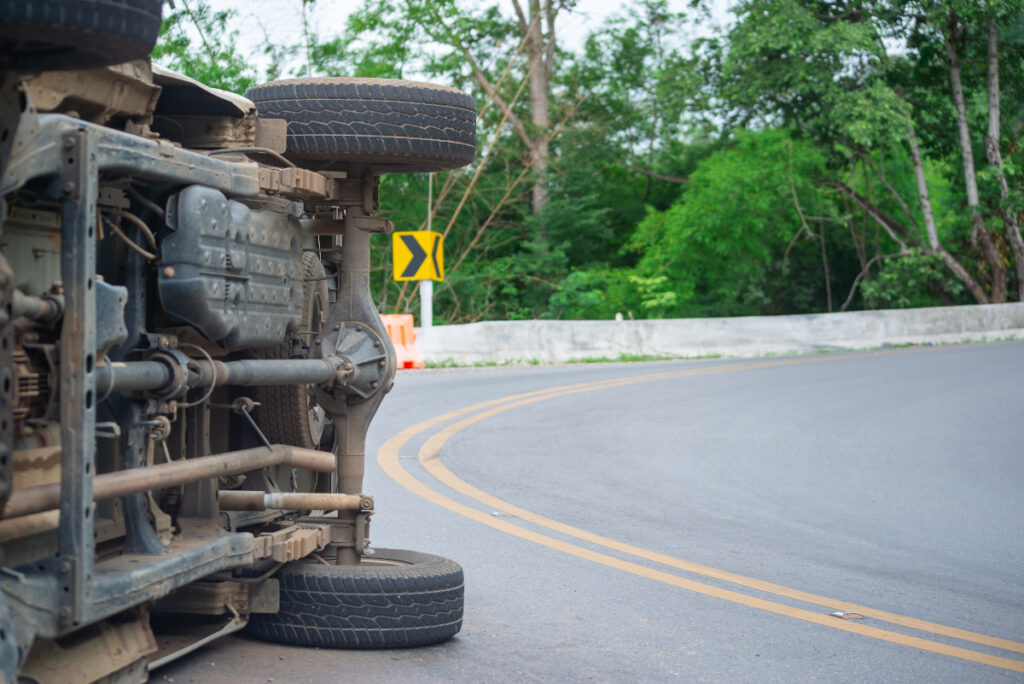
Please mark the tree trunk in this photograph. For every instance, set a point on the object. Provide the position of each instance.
(978, 230)
(995, 157)
(538, 49)
(931, 231)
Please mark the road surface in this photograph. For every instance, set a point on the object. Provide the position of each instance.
(701, 521)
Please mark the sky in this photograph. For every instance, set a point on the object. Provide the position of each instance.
(280, 20)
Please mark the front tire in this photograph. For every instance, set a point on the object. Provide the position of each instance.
(394, 599)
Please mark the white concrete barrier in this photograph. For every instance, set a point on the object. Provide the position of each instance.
(561, 341)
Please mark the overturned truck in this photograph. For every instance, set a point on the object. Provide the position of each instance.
(189, 354)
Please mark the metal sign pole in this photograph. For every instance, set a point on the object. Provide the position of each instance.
(427, 286)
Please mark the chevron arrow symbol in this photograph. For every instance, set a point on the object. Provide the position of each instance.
(433, 256)
(419, 255)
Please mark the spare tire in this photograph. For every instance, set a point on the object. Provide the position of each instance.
(385, 125)
(395, 599)
(44, 35)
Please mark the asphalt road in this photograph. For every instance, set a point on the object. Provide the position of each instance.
(701, 521)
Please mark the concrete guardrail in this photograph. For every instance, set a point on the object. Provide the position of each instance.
(749, 336)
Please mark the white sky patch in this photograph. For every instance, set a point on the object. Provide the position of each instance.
(280, 21)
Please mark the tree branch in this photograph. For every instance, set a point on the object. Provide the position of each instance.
(888, 186)
(864, 272)
(523, 24)
(897, 231)
(202, 35)
(804, 228)
(678, 180)
(492, 92)
(549, 42)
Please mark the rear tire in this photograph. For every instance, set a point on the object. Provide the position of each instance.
(395, 599)
(389, 126)
(43, 35)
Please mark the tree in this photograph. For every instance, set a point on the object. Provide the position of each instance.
(746, 236)
(475, 43)
(214, 60)
(826, 70)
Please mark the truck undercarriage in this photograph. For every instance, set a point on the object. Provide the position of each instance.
(190, 359)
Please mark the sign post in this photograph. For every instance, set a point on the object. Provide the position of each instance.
(419, 255)
(427, 286)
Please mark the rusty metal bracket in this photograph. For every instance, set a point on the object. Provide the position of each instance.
(351, 533)
(368, 224)
(272, 134)
(78, 186)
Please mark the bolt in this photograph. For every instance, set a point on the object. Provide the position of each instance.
(168, 272)
(65, 566)
(337, 326)
(69, 188)
(68, 143)
(374, 384)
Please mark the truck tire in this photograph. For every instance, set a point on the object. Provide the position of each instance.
(395, 599)
(44, 35)
(288, 413)
(389, 126)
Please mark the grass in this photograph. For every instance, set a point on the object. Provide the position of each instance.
(621, 358)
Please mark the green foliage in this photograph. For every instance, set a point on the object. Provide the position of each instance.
(755, 172)
(721, 249)
(596, 293)
(910, 282)
(869, 76)
(196, 41)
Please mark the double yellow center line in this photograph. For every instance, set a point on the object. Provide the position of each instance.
(429, 457)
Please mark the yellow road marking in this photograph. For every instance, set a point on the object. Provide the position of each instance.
(388, 457)
(429, 457)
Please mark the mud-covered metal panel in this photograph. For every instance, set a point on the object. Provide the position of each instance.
(7, 385)
(232, 270)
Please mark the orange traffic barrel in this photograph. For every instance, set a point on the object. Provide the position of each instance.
(403, 337)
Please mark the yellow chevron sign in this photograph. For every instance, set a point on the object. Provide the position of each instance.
(417, 255)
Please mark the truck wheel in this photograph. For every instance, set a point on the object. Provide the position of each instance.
(288, 413)
(395, 599)
(391, 126)
(42, 35)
